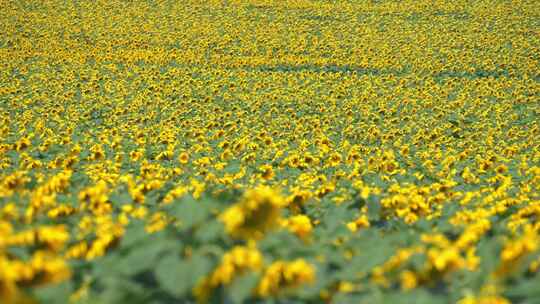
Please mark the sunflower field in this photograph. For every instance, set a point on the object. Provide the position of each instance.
(270, 151)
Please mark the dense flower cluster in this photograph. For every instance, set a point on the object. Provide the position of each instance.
(293, 150)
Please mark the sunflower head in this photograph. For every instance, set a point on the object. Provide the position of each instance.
(257, 212)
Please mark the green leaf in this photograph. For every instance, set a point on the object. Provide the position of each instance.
(372, 252)
(178, 277)
(423, 225)
(488, 251)
(417, 261)
(135, 233)
(374, 208)
(419, 296)
(335, 218)
(172, 275)
(190, 212)
(121, 198)
(525, 289)
(57, 293)
(106, 266)
(232, 167)
(119, 290)
(242, 287)
(348, 298)
(209, 232)
(143, 257)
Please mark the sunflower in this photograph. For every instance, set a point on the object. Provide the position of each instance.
(257, 212)
(183, 158)
(267, 172)
(281, 276)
